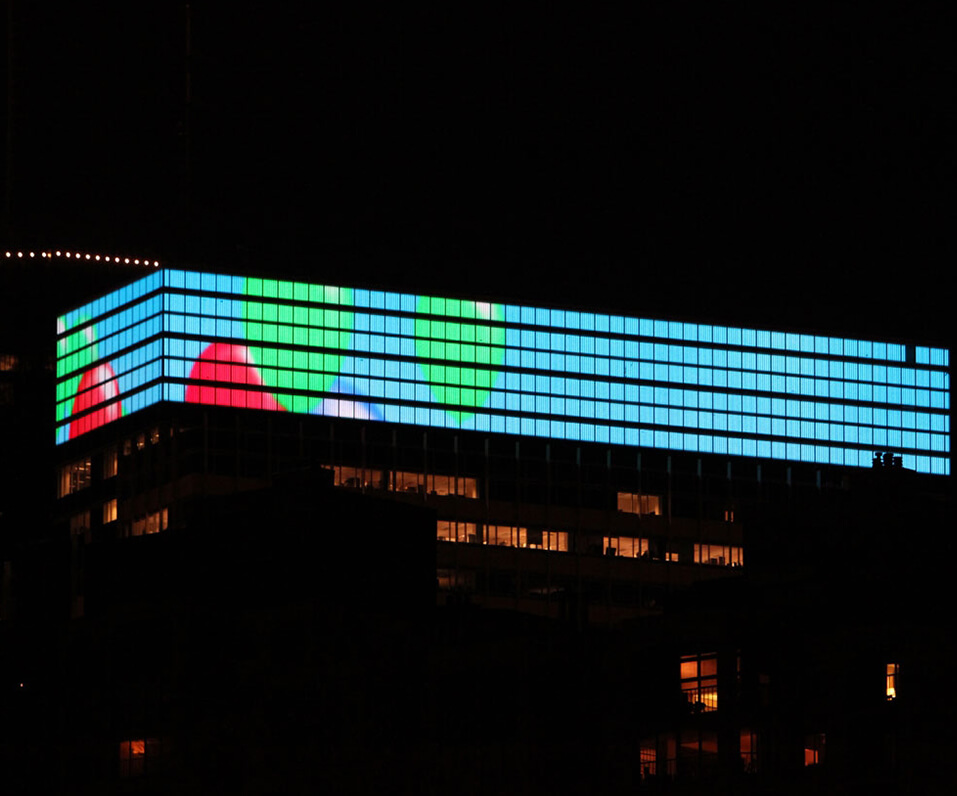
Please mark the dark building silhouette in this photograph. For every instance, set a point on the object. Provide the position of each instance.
(309, 537)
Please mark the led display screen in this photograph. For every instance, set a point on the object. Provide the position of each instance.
(499, 368)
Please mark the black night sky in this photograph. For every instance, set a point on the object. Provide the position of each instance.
(788, 168)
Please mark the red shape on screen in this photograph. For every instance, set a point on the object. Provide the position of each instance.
(227, 364)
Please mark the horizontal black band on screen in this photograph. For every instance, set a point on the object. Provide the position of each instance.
(115, 377)
(530, 416)
(609, 380)
(120, 397)
(118, 352)
(909, 360)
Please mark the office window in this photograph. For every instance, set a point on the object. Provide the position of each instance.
(452, 531)
(634, 503)
(361, 478)
(74, 477)
(718, 555)
(409, 482)
(699, 681)
(648, 758)
(749, 751)
(109, 511)
(450, 485)
(514, 536)
(9, 361)
(110, 462)
(152, 523)
(455, 580)
(137, 757)
(814, 748)
(890, 689)
(80, 523)
(698, 753)
(627, 546)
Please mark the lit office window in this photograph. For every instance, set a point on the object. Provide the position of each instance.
(74, 477)
(452, 485)
(634, 503)
(9, 361)
(627, 546)
(109, 511)
(409, 482)
(893, 671)
(814, 749)
(516, 536)
(718, 555)
(648, 758)
(110, 462)
(749, 751)
(152, 523)
(361, 478)
(699, 681)
(452, 531)
(138, 756)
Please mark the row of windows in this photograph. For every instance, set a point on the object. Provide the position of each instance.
(66, 389)
(905, 386)
(403, 481)
(574, 431)
(559, 319)
(89, 332)
(127, 381)
(559, 429)
(130, 403)
(112, 301)
(371, 333)
(632, 353)
(106, 347)
(719, 555)
(924, 393)
(538, 388)
(653, 406)
(501, 535)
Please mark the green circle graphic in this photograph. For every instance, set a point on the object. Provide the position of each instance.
(460, 351)
(272, 327)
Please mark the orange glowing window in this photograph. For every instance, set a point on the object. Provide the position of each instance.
(74, 477)
(633, 503)
(136, 754)
(749, 751)
(699, 681)
(648, 754)
(452, 531)
(516, 536)
(627, 546)
(720, 555)
(110, 462)
(893, 670)
(814, 749)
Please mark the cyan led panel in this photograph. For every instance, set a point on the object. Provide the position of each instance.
(452, 363)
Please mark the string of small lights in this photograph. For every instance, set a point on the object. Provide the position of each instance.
(55, 254)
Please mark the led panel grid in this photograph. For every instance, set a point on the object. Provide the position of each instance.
(453, 363)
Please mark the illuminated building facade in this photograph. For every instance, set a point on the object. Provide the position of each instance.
(501, 369)
(649, 485)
